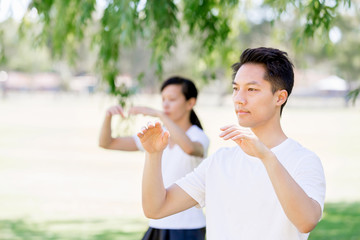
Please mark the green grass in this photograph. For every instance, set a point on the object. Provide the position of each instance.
(341, 221)
(72, 230)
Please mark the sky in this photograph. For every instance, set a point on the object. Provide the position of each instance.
(14, 8)
(17, 8)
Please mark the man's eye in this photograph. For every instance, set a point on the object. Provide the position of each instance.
(252, 89)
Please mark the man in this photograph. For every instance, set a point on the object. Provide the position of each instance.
(266, 187)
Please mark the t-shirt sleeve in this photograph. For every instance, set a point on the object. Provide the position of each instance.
(198, 135)
(194, 183)
(138, 143)
(311, 178)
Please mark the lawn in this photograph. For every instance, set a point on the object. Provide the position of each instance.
(128, 229)
(56, 183)
(340, 222)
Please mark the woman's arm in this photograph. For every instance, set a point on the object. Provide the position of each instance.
(178, 135)
(107, 141)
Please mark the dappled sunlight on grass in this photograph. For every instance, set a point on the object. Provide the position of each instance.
(129, 229)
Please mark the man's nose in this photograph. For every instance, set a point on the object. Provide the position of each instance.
(239, 98)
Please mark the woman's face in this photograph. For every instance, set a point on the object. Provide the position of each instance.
(175, 106)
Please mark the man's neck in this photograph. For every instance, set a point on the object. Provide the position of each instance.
(271, 136)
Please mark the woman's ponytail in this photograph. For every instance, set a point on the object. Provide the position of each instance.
(194, 119)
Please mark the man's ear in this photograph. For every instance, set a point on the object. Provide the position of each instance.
(191, 103)
(281, 97)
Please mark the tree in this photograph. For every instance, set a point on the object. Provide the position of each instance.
(119, 24)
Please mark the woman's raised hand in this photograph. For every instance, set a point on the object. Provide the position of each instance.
(144, 110)
(118, 110)
(153, 137)
(114, 110)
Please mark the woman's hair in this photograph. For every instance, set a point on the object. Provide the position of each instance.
(189, 90)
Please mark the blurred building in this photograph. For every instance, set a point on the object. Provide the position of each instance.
(28, 82)
(18, 81)
(82, 84)
(319, 84)
(332, 86)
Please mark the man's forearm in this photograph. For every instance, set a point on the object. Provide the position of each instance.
(153, 190)
(301, 210)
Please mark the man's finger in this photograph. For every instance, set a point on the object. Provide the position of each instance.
(231, 129)
(150, 125)
(230, 135)
(242, 136)
(226, 127)
(166, 136)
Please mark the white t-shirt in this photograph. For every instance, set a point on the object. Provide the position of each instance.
(175, 165)
(240, 200)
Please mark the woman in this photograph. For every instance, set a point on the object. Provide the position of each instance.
(188, 145)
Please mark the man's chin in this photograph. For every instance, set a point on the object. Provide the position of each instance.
(244, 124)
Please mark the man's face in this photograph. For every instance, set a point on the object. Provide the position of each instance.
(254, 102)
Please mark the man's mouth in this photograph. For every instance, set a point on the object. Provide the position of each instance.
(241, 111)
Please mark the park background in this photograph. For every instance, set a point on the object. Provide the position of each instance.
(56, 183)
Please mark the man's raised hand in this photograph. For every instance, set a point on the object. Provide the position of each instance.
(153, 138)
(246, 139)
